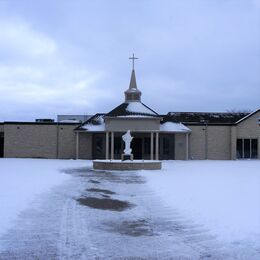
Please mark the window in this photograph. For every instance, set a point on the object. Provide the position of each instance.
(239, 148)
(147, 145)
(254, 148)
(117, 145)
(166, 145)
(247, 148)
(99, 144)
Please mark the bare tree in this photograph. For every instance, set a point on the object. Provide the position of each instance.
(239, 111)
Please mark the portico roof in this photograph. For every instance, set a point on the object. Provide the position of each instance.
(172, 127)
(97, 124)
(132, 109)
(94, 124)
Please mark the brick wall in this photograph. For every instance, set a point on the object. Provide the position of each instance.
(39, 141)
(210, 142)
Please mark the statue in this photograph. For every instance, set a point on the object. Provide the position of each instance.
(127, 138)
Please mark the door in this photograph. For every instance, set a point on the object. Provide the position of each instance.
(99, 146)
(137, 148)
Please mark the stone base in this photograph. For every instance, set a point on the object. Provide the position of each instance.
(126, 165)
(126, 157)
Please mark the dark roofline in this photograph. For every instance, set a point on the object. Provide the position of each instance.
(246, 117)
(201, 113)
(209, 124)
(150, 109)
(37, 123)
(205, 118)
(134, 117)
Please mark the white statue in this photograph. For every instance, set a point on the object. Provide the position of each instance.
(127, 138)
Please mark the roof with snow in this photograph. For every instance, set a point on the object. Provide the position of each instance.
(132, 109)
(173, 127)
(94, 124)
(204, 118)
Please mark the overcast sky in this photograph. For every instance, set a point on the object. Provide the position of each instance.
(71, 57)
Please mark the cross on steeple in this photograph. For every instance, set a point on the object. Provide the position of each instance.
(133, 58)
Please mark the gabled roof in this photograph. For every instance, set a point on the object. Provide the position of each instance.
(247, 116)
(204, 117)
(173, 127)
(95, 123)
(129, 109)
(132, 109)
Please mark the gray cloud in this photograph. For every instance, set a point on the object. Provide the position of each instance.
(61, 57)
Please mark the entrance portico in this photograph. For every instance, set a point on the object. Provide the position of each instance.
(144, 145)
(154, 137)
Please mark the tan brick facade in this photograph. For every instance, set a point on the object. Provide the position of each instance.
(197, 143)
(180, 147)
(39, 141)
(32, 140)
(67, 142)
(85, 146)
(219, 142)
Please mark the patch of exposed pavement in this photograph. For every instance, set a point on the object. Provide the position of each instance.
(101, 190)
(94, 181)
(105, 203)
(134, 228)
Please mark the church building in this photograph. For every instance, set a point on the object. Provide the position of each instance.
(174, 136)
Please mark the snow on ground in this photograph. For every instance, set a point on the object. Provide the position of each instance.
(176, 213)
(222, 195)
(22, 179)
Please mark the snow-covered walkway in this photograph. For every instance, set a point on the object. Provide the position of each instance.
(101, 215)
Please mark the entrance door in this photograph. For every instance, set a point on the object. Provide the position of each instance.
(137, 145)
(99, 146)
(1, 145)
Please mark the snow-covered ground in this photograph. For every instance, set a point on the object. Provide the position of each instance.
(188, 210)
(222, 195)
(21, 180)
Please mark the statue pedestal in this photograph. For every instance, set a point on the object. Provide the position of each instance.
(126, 157)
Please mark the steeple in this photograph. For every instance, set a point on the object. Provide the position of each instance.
(133, 81)
(133, 94)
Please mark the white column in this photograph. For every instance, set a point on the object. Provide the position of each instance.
(151, 145)
(187, 146)
(77, 145)
(107, 145)
(157, 146)
(112, 145)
